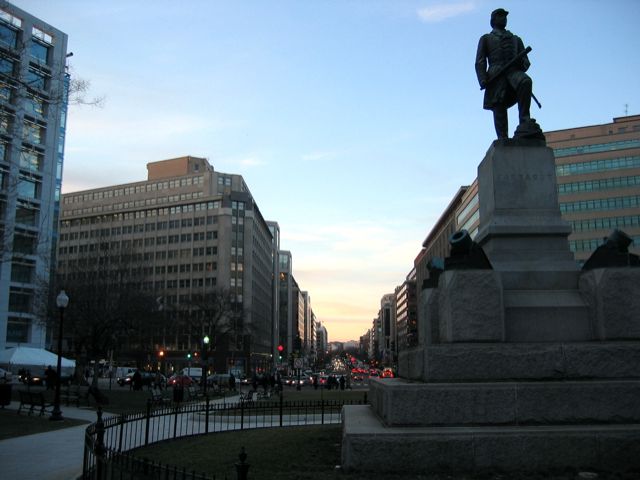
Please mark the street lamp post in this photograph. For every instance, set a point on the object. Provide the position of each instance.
(62, 300)
(205, 362)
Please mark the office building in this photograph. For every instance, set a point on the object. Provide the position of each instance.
(33, 108)
(598, 172)
(188, 231)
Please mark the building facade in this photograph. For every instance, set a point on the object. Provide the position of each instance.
(33, 107)
(386, 323)
(189, 232)
(407, 313)
(598, 172)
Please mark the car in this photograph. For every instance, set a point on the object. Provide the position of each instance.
(180, 381)
(29, 379)
(387, 373)
(148, 379)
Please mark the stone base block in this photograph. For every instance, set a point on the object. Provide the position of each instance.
(369, 446)
(546, 316)
(411, 363)
(470, 306)
(613, 296)
(401, 403)
(531, 361)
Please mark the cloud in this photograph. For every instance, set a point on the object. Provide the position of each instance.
(443, 11)
(316, 156)
(252, 162)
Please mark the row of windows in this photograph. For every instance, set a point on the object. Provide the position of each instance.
(596, 148)
(153, 212)
(467, 209)
(133, 204)
(9, 35)
(588, 245)
(30, 160)
(598, 166)
(473, 218)
(149, 187)
(613, 203)
(148, 241)
(602, 184)
(608, 223)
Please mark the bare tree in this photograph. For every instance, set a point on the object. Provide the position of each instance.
(108, 308)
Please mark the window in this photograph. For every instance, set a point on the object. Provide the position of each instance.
(33, 132)
(17, 330)
(31, 160)
(28, 188)
(6, 66)
(8, 36)
(36, 80)
(40, 35)
(26, 215)
(34, 106)
(39, 52)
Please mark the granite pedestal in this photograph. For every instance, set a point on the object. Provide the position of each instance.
(533, 365)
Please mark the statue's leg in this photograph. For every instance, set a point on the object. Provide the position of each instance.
(525, 87)
(501, 122)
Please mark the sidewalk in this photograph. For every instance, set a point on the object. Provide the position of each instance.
(55, 455)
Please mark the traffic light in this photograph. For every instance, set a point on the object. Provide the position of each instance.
(280, 352)
(161, 353)
(189, 355)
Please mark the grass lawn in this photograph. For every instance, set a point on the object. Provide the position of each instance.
(14, 425)
(282, 453)
(301, 453)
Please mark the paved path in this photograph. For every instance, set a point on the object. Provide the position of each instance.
(55, 455)
(58, 455)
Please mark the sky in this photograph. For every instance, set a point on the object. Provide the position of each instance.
(353, 122)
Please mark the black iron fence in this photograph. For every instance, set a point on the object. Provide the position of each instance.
(108, 441)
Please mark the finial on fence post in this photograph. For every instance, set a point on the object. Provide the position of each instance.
(242, 468)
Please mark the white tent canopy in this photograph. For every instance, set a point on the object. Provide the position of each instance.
(15, 358)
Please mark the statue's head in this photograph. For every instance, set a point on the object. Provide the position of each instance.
(499, 18)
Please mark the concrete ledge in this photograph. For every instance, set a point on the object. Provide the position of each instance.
(400, 403)
(369, 446)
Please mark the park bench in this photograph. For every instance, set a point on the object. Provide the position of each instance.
(33, 400)
(247, 397)
(262, 395)
(157, 398)
(194, 392)
(75, 394)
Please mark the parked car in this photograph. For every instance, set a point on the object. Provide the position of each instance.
(40, 379)
(148, 379)
(180, 380)
(387, 373)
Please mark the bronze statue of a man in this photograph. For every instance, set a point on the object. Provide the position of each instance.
(505, 80)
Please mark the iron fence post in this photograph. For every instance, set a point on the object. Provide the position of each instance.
(99, 446)
(242, 468)
(148, 421)
(122, 424)
(241, 415)
(206, 415)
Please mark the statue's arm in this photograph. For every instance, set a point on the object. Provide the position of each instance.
(481, 61)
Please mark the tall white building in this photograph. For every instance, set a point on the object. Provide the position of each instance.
(33, 108)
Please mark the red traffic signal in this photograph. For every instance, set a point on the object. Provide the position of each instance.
(280, 348)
